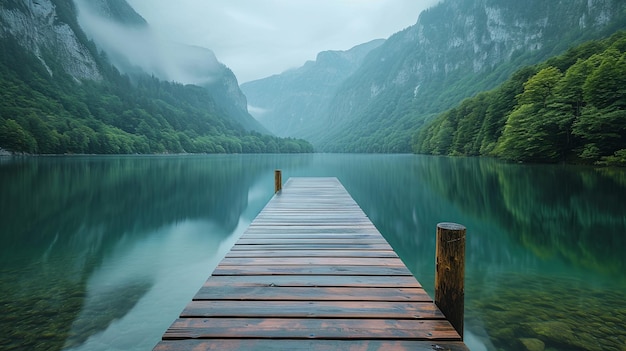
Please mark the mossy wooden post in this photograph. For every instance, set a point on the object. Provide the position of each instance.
(278, 181)
(450, 273)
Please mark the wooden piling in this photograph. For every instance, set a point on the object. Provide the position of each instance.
(450, 273)
(278, 181)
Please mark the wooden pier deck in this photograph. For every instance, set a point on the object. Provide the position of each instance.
(311, 273)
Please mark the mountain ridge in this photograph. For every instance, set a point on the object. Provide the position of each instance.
(284, 101)
(456, 49)
(430, 73)
(134, 48)
(61, 95)
(570, 108)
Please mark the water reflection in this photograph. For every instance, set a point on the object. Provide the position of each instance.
(102, 253)
(86, 240)
(545, 244)
(143, 279)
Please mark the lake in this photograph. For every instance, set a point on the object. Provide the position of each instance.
(103, 253)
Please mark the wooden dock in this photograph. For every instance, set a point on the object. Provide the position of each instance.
(311, 273)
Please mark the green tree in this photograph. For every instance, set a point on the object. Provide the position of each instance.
(539, 89)
(570, 88)
(15, 138)
(604, 131)
(606, 86)
(515, 140)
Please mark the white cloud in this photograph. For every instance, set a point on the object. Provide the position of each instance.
(153, 53)
(257, 112)
(258, 38)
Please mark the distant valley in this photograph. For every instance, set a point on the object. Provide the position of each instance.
(456, 50)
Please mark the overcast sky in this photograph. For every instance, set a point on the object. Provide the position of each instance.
(259, 38)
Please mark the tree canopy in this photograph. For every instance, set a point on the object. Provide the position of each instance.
(571, 108)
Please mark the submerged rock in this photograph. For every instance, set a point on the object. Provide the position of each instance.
(531, 344)
(561, 333)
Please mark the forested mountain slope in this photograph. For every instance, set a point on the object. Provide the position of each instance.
(59, 94)
(291, 103)
(457, 49)
(569, 108)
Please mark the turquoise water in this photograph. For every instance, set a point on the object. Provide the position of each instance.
(102, 253)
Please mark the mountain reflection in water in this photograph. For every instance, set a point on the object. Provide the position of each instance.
(102, 253)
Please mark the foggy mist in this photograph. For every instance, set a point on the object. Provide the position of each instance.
(136, 48)
(260, 38)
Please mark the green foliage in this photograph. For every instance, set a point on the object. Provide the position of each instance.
(571, 108)
(618, 159)
(16, 138)
(53, 114)
(452, 55)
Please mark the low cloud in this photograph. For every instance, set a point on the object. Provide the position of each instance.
(258, 38)
(257, 112)
(140, 48)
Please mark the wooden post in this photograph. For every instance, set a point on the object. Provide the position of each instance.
(278, 181)
(450, 273)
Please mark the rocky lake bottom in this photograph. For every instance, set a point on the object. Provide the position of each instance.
(526, 314)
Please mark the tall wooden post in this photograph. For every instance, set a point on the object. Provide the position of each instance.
(450, 273)
(278, 181)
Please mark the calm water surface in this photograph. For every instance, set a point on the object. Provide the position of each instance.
(102, 253)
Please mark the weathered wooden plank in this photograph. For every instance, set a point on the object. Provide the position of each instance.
(308, 345)
(311, 328)
(312, 309)
(321, 217)
(320, 261)
(273, 293)
(311, 273)
(337, 225)
(312, 253)
(313, 270)
(292, 235)
(333, 246)
(305, 241)
(295, 229)
(313, 281)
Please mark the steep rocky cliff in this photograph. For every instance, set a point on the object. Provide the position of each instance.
(36, 26)
(134, 48)
(455, 50)
(98, 84)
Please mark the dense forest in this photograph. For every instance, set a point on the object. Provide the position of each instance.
(44, 110)
(456, 50)
(571, 108)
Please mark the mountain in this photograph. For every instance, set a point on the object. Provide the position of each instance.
(61, 92)
(571, 108)
(456, 49)
(289, 104)
(133, 47)
(49, 33)
(114, 10)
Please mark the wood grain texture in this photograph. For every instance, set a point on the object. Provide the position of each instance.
(308, 345)
(311, 273)
(311, 309)
(313, 270)
(313, 281)
(277, 293)
(311, 328)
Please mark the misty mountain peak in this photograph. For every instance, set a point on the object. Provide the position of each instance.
(285, 103)
(134, 47)
(116, 10)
